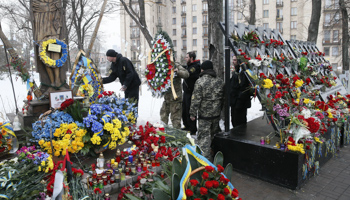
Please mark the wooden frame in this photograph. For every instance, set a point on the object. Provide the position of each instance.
(58, 97)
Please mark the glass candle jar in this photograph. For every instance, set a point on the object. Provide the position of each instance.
(157, 163)
(94, 174)
(117, 178)
(104, 178)
(99, 177)
(267, 140)
(144, 168)
(127, 171)
(100, 184)
(153, 163)
(262, 141)
(94, 185)
(139, 167)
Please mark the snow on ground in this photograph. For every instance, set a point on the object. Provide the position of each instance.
(149, 107)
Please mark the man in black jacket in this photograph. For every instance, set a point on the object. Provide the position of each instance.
(240, 95)
(194, 69)
(123, 68)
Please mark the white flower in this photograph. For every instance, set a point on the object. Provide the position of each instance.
(306, 113)
(300, 133)
(255, 62)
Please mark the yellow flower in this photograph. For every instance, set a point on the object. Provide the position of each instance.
(117, 123)
(108, 126)
(96, 139)
(42, 163)
(330, 115)
(39, 168)
(41, 142)
(299, 83)
(306, 100)
(268, 83)
(57, 153)
(318, 140)
(112, 145)
(298, 148)
(57, 132)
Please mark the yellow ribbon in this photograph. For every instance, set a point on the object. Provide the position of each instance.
(7, 127)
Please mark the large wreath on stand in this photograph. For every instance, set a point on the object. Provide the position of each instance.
(159, 71)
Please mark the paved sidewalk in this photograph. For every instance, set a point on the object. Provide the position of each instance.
(333, 182)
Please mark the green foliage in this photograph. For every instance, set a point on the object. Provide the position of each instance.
(76, 110)
(159, 194)
(303, 63)
(131, 197)
(219, 159)
(175, 186)
(228, 171)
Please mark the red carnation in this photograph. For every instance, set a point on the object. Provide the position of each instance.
(203, 191)
(209, 168)
(208, 184)
(194, 182)
(97, 190)
(220, 168)
(205, 175)
(189, 193)
(226, 191)
(221, 197)
(234, 194)
(224, 180)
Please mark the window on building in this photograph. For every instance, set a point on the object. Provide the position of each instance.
(336, 4)
(266, 1)
(327, 36)
(194, 42)
(174, 20)
(134, 55)
(328, 4)
(183, 8)
(194, 7)
(205, 18)
(239, 3)
(134, 42)
(184, 20)
(194, 19)
(159, 9)
(266, 25)
(293, 25)
(205, 30)
(279, 13)
(138, 43)
(174, 31)
(293, 37)
(326, 51)
(205, 7)
(336, 36)
(335, 51)
(183, 31)
(294, 11)
(279, 2)
(293, 0)
(239, 15)
(205, 42)
(174, 43)
(336, 18)
(174, 9)
(266, 13)
(194, 31)
(184, 43)
(279, 27)
(327, 19)
(205, 54)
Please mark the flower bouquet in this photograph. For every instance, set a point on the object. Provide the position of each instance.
(6, 137)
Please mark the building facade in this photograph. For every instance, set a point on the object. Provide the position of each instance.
(186, 22)
(292, 19)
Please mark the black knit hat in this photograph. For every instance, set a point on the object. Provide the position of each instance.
(111, 53)
(207, 65)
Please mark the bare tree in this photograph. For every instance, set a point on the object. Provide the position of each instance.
(252, 10)
(138, 15)
(216, 37)
(344, 6)
(314, 21)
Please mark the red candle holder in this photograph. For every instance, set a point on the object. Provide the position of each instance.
(153, 163)
(157, 163)
(94, 174)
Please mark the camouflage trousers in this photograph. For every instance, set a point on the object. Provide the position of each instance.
(174, 109)
(206, 131)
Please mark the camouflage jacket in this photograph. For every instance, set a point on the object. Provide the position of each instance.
(181, 73)
(208, 96)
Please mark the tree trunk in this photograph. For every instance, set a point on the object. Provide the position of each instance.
(252, 10)
(315, 21)
(140, 19)
(345, 34)
(216, 37)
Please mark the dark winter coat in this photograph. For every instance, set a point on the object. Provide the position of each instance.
(125, 70)
(240, 90)
(194, 69)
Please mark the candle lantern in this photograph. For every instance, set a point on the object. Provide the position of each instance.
(133, 169)
(104, 178)
(117, 177)
(107, 197)
(100, 161)
(100, 184)
(139, 168)
(118, 156)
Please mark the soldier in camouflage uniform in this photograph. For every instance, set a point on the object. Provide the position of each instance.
(207, 100)
(174, 106)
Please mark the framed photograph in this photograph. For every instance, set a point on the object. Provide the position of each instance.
(57, 98)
